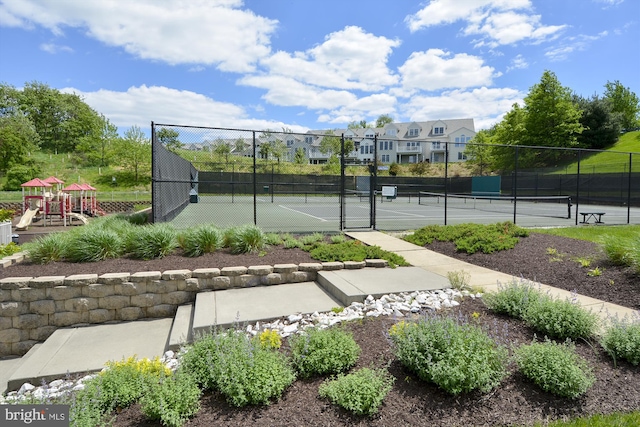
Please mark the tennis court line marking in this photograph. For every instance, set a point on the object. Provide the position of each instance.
(394, 212)
(309, 215)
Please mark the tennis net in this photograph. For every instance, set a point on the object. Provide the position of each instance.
(546, 206)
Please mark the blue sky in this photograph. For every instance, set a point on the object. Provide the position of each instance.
(309, 64)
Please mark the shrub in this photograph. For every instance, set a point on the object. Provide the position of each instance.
(458, 279)
(273, 239)
(198, 360)
(93, 244)
(354, 250)
(248, 374)
(361, 392)
(555, 368)
(172, 400)
(270, 339)
(560, 319)
(6, 214)
(338, 238)
(151, 241)
(622, 341)
(471, 238)
(457, 357)
(201, 240)
(9, 249)
(47, 249)
(513, 299)
(323, 351)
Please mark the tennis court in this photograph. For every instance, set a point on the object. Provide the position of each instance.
(306, 212)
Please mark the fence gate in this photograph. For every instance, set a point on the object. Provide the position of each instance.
(357, 191)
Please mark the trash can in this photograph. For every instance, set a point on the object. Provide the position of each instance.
(193, 196)
(15, 238)
(265, 188)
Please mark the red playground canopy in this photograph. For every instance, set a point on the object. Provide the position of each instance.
(36, 182)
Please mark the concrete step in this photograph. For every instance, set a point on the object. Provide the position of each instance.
(182, 327)
(75, 351)
(238, 306)
(11, 365)
(349, 286)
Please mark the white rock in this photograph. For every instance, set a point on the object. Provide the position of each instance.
(369, 298)
(446, 303)
(56, 383)
(289, 329)
(78, 387)
(26, 387)
(294, 318)
(454, 303)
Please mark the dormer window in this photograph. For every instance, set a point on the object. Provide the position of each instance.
(414, 132)
(438, 131)
(391, 132)
(369, 136)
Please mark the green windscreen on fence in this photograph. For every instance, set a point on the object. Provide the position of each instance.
(485, 185)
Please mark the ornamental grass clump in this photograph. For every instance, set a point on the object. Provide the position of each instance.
(244, 239)
(151, 241)
(360, 392)
(622, 341)
(93, 244)
(49, 248)
(560, 319)
(555, 368)
(450, 353)
(201, 240)
(513, 299)
(323, 351)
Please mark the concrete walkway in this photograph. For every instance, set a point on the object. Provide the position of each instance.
(86, 349)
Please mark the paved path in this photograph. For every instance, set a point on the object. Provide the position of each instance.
(76, 350)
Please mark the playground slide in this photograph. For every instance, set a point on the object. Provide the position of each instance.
(81, 217)
(27, 218)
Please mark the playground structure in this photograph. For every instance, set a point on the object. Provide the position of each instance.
(47, 199)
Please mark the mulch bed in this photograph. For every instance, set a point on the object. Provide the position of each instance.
(412, 402)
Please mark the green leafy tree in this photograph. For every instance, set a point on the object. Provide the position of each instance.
(222, 149)
(510, 131)
(98, 147)
(300, 158)
(551, 117)
(625, 103)
(330, 144)
(133, 152)
(265, 150)
(169, 138)
(19, 174)
(18, 138)
(479, 151)
(383, 120)
(362, 124)
(601, 125)
(240, 145)
(279, 149)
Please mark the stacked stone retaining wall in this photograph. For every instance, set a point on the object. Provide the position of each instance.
(32, 308)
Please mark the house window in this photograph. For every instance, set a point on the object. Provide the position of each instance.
(386, 145)
(385, 158)
(390, 145)
(435, 145)
(362, 149)
(381, 145)
(413, 132)
(438, 131)
(462, 156)
(391, 132)
(308, 139)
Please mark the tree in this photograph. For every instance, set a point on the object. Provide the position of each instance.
(510, 131)
(625, 103)
(479, 151)
(383, 120)
(279, 149)
(300, 158)
(222, 148)
(18, 138)
(358, 125)
(330, 144)
(169, 138)
(601, 125)
(265, 149)
(240, 145)
(133, 151)
(551, 118)
(98, 148)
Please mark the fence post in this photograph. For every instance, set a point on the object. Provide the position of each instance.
(515, 185)
(578, 185)
(446, 179)
(255, 185)
(629, 190)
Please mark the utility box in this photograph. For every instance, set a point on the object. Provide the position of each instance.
(193, 196)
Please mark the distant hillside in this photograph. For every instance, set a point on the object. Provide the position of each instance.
(611, 160)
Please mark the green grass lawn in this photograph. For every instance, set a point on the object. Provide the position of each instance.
(631, 419)
(592, 234)
(610, 161)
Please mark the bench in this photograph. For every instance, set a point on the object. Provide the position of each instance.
(586, 216)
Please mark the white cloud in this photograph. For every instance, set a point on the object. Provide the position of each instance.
(348, 59)
(436, 69)
(569, 45)
(498, 22)
(53, 48)
(365, 108)
(609, 3)
(143, 104)
(485, 105)
(215, 32)
(518, 63)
